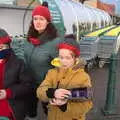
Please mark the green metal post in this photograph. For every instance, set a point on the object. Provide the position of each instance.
(110, 103)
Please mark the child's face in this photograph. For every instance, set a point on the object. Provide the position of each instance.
(66, 57)
(3, 47)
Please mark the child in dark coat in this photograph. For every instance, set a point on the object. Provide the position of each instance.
(15, 83)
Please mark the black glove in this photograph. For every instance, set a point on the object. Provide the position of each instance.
(50, 92)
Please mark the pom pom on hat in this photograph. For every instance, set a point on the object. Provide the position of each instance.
(42, 11)
(4, 37)
(70, 44)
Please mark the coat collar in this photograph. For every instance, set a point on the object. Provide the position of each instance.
(43, 38)
(80, 64)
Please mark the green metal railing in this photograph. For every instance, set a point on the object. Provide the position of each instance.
(110, 103)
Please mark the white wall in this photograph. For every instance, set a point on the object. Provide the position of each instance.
(11, 19)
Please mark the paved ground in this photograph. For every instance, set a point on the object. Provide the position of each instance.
(99, 80)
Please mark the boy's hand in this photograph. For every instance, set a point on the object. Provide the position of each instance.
(58, 102)
(52, 101)
(2, 94)
(62, 93)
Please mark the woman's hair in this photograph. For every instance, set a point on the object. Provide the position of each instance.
(50, 30)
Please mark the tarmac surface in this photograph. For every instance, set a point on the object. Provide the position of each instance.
(99, 77)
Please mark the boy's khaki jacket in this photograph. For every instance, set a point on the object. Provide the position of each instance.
(68, 79)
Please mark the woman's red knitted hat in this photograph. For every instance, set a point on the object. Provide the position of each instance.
(42, 11)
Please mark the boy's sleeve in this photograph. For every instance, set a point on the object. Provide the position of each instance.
(45, 85)
(84, 106)
(87, 80)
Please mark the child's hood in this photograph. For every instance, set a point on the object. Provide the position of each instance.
(79, 64)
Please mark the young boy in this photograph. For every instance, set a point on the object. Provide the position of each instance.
(66, 87)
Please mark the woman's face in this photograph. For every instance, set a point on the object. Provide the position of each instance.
(40, 23)
(66, 57)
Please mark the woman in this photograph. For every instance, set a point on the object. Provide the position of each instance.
(66, 87)
(40, 48)
(15, 84)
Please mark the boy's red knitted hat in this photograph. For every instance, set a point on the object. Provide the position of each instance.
(42, 11)
(70, 44)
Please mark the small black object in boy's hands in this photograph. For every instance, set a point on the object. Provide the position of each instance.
(81, 94)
